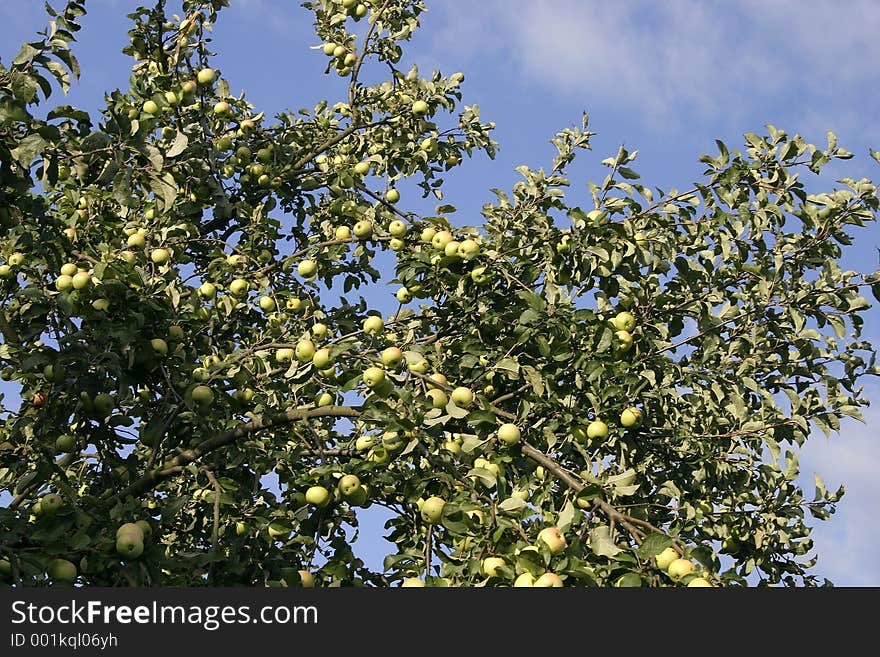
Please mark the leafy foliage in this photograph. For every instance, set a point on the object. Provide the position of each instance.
(180, 363)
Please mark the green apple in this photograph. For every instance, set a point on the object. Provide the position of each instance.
(81, 280)
(397, 228)
(103, 404)
(363, 229)
(553, 539)
(468, 249)
(267, 304)
(403, 295)
(306, 579)
(62, 571)
(318, 495)
(159, 346)
(412, 582)
(348, 485)
(548, 581)
(392, 357)
(305, 350)
(319, 330)
(207, 290)
(489, 566)
(432, 510)
(128, 546)
(239, 287)
(307, 268)
(342, 233)
(427, 234)
(392, 195)
(480, 275)
(175, 332)
(441, 239)
(64, 283)
(666, 557)
(438, 398)
(631, 417)
(624, 341)
(624, 321)
(136, 241)
(278, 531)
(206, 76)
(373, 377)
(202, 395)
(699, 582)
(678, 568)
(597, 430)
(150, 107)
(160, 256)
(420, 108)
(65, 443)
(462, 397)
(324, 399)
(69, 269)
(241, 528)
(284, 355)
(321, 358)
(50, 503)
(5, 271)
(525, 579)
(374, 325)
(363, 443)
(416, 363)
(509, 434)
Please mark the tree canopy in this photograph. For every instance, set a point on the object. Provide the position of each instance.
(599, 388)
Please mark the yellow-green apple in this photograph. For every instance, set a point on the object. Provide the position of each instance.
(553, 539)
(432, 509)
(509, 433)
(317, 495)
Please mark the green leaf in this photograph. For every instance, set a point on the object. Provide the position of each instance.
(601, 543)
(28, 149)
(178, 145)
(653, 545)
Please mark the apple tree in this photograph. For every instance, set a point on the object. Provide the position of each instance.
(602, 388)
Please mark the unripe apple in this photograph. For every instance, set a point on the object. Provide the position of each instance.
(525, 579)
(206, 76)
(62, 571)
(267, 304)
(364, 443)
(624, 321)
(412, 582)
(427, 234)
(363, 229)
(553, 539)
(666, 557)
(468, 249)
(392, 195)
(65, 443)
(403, 295)
(128, 547)
(462, 396)
(678, 568)
(597, 430)
(159, 346)
(207, 290)
(438, 398)
(489, 566)
(397, 228)
(324, 399)
(64, 283)
(175, 332)
(348, 485)
(318, 495)
(305, 350)
(319, 330)
(451, 249)
(50, 503)
(432, 509)
(417, 364)
(441, 239)
(69, 269)
(374, 325)
(321, 359)
(373, 377)
(136, 241)
(548, 580)
(81, 280)
(699, 582)
(392, 357)
(480, 275)
(239, 287)
(284, 355)
(342, 233)
(150, 107)
(307, 268)
(509, 434)
(241, 528)
(203, 396)
(631, 417)
(420, 108)
(624, 341)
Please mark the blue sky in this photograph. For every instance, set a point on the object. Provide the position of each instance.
(665, 78)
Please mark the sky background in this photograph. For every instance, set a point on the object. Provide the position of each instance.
(665, 78)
